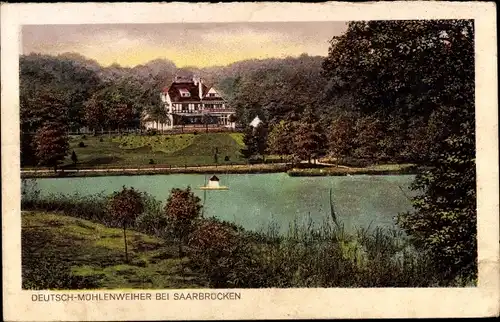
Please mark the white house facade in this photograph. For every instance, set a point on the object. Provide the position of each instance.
(189, 102)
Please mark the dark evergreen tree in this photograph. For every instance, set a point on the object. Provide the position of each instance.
(74, 158)
(250, 142)
(309, 141)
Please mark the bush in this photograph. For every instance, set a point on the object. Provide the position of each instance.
(30, 194)
(181, 209)
(84, 137)
(356, 162)
(101, 140)
(225, 258)
(93, 207)
(151, 161)
(226, 158)
(153, 220)
(151, 132)
(81, 144)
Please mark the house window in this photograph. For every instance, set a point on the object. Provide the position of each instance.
(211, 94)
(184, 92)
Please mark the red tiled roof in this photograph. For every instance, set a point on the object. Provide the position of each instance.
(193, 90)
(175, 95)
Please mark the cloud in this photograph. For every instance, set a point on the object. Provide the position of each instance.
(195, 44)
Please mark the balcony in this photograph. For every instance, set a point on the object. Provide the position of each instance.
(218, 110)
(205, 111)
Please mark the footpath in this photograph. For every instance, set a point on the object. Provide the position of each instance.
(325, 169)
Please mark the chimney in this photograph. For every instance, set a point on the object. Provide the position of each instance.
(200, 88)
(195, 80)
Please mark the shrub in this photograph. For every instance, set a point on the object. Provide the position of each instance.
(181, 209)
(84, 137)
(226, 158)
(356, 162)
(151, 132)
(151, 161)
(153, 220)
(30, 194)
(101, 140)
(81, 144)
(223, 256)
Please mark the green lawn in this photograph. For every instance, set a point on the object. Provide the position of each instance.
(92, 250)
(175, 150)
(238, 137)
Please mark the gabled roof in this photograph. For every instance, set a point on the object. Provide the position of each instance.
(212, 98)
(175, 95)
(214, 178)
(256, 121)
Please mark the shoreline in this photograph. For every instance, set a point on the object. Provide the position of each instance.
(392, 169)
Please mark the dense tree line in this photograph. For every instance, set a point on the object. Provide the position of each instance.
(406, 92)
(67, 93)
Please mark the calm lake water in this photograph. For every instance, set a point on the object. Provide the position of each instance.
(257, 200)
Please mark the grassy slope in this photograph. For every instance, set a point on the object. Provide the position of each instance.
(175, 150)
(202, 150)
(158, 143)
(93, 249)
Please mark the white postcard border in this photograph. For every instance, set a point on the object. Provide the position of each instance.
(266, 303)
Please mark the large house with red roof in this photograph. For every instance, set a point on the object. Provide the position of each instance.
(189, 102)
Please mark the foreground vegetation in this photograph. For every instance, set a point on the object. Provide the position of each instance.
(74, 242)
(62, 252)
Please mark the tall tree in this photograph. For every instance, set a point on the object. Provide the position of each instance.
(48, 118)
(255, 140)
(250, 143)
(340, 136)
(123, 114)
(125, 206)
(445, 219)
(308, 140)
(398, 70)
(421, 71)
(95, 114)
(51, 144)
(280, 139)
(367, 138)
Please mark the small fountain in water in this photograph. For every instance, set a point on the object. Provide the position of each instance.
(214, 184)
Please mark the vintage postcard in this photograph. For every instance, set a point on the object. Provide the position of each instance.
(249, 160)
